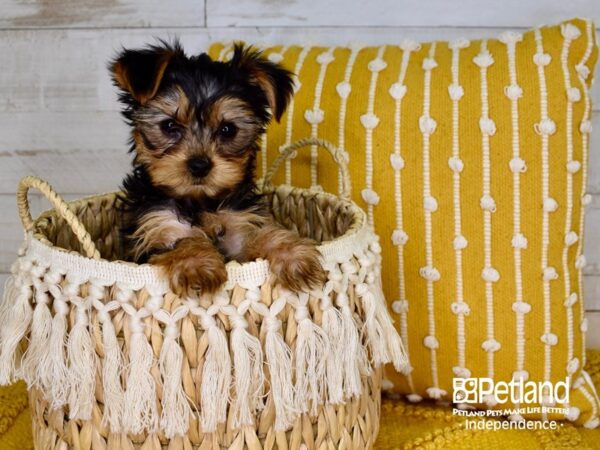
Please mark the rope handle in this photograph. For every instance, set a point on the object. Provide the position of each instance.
(337, 154)
(61, 207)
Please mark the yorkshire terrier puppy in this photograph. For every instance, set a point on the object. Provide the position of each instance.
(191, 203)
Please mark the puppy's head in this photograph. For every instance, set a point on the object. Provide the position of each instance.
(196, 122)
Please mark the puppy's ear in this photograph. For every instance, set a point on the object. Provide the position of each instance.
(140, 72)
(275, 81)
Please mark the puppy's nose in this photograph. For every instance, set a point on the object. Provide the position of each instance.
(199, 167)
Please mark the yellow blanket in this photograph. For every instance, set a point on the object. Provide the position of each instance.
(403, 426)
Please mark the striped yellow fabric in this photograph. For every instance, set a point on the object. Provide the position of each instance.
(470, 158)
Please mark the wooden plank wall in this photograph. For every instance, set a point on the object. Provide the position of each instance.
(58, 110)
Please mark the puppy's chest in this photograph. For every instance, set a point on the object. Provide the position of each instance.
(229, 230)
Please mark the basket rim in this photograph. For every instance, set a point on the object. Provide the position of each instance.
(136, 276)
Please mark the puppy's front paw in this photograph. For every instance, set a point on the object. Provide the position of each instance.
(191, 267)
(298, 268)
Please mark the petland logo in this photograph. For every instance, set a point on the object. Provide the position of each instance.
(476, 390)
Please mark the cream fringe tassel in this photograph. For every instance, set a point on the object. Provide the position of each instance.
(333, 328)
(216, 375)
(140, 412)
(83, 360)
(354, 355)
(382, 338)
(249, 379)
(112, 368)
(279, 359)
(395, 348)
(41, 329)
(55, 379)
(176, 410)
(9, 293)
(17, 320)
(312, 351)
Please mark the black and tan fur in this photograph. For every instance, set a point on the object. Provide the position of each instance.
(190, 203)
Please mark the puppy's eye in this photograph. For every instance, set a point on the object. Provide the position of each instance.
(170, 128)
(227, 130)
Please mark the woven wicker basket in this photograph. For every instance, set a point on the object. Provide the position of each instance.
(114, 360)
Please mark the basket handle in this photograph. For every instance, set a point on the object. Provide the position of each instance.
(337, 154)
(60, 205)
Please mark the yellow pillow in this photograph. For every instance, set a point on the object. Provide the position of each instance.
(470, 158)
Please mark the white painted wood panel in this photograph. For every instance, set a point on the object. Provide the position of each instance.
(593, 334)
(65, 70)
(70, 171)
(592, 236)
(99, 14)
(591, 292)
(17, 14)
(594, 156)
(384, 13)
(11, 235)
